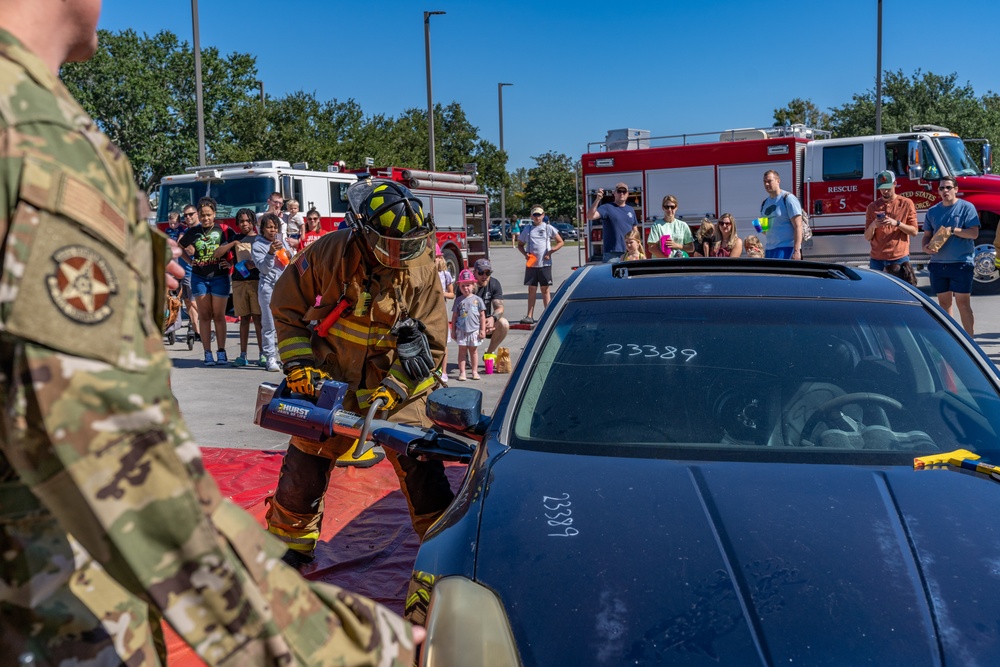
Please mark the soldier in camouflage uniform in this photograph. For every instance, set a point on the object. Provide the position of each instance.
(108, 519)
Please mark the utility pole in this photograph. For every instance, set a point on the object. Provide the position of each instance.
(430, 102)
(878, 75)
(503, 189)
(197, 85)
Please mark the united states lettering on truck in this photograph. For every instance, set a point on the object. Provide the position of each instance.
(454, 201)
(834, 179)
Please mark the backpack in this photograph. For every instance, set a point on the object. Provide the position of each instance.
(807, 232)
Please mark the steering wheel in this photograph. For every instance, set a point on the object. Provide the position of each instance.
(830, 411)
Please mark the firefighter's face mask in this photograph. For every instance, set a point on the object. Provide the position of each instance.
(390, 221)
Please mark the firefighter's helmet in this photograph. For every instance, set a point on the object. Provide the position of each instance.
(389, 220)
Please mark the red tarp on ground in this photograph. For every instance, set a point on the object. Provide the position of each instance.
(367, 544)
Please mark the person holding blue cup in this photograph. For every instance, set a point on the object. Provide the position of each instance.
(245, 281)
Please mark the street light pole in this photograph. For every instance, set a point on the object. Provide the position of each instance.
(197, 84)
(261, 85)
(878, 75)
(430, 103)
(503, 189)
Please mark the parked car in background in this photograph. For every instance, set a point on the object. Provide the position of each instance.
(728, 479)
(567, 231)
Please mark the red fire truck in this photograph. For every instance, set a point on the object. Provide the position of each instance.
(460, 211)
(719, 172)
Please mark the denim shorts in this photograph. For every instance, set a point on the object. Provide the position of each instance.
(217, 286)
(880, 264)
(779, 253)
(951, 277)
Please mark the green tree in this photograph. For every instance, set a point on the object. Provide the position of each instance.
(516, 205)
(550, 184)
(801, 111)
(923, 98)
(140, 90)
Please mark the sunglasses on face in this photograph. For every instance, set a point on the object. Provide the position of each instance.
(537, 215)
(313, 219)
(668, 207)
(189, 215)
(726, 222)
(483, 273)
(621, 191)
(946, 187)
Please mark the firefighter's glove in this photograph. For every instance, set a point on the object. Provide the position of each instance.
(389, 397)
(413, 349)
(305, 379)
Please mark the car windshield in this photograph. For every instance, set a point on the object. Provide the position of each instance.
(957, 157)
(230, 195)
(754, 380)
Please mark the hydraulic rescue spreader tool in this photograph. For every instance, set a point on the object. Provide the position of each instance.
(279, 409)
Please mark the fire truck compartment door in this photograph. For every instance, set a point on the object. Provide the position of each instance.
(741, 190)
(694, 188)
(633, 179)
(449, 212)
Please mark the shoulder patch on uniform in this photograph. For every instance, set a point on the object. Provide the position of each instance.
(82, 284)
(302, 264)
(50, 188)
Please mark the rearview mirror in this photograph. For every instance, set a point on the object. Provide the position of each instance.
(458, 409)
(987, 155)
(914, 168)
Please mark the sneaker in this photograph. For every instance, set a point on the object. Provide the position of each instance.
(209, 361)
(527, 320)
(221, 357)
(297, 559)
(273, 365)
(241, 361)
(262, 361)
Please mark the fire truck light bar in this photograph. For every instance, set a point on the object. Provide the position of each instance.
(606, 162)
(208, 175)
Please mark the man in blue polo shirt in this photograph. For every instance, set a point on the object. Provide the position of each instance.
(617, 218)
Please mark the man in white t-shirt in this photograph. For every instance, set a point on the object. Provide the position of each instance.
(535, 243)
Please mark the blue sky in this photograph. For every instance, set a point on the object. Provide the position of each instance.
(582, 68)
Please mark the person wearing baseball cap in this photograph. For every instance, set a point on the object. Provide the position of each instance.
(890, 221)
(489, 290)
(537, 243)
(617, 219)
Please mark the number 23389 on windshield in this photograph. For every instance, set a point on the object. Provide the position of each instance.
(559, 515)
(667, 352)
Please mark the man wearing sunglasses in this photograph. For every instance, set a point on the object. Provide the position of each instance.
(617, 219)
(784, 238)
(951, 265)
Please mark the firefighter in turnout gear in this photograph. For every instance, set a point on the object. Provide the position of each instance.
(362, 306)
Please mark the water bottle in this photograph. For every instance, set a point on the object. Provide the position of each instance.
(665, 245)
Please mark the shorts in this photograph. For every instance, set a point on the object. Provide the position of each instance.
(538, 275)
(469, 339)
(217, 286)
(245, 298)
(880, 264)
(779, 253)
(951, 277)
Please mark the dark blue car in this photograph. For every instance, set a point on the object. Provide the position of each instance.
(712, 462)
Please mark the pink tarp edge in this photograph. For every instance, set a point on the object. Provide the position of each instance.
(367, 544)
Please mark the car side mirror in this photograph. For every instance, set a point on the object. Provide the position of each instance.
(987, 155)
(914, 168)
(459, 410)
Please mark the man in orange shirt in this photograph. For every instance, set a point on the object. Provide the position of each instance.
(890, 221)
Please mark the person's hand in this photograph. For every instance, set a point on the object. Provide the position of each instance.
(413, 349)
(224, 265)
(389, 398)
(174, 270)
(600, 194)
(796, 254)
(305, 379)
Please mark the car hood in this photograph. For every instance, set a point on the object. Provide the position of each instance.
(695, 563)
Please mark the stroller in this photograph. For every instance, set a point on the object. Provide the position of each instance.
(172, 321)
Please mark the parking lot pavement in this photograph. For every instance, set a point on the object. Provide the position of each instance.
(218, 402)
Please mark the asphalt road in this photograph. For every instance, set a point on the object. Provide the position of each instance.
(218, 402)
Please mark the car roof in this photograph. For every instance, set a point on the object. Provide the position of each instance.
(738, 278)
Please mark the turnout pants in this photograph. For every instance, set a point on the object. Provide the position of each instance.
(295, 511)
